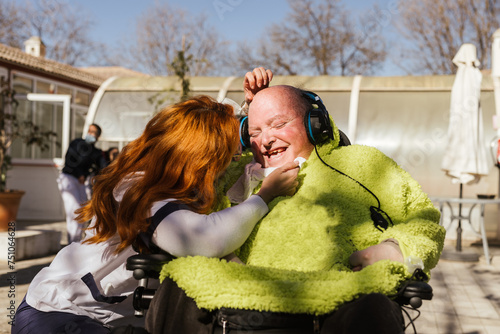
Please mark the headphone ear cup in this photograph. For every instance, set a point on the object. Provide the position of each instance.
(318, 127)
(244, 136)
(317, 120)
(309, 128)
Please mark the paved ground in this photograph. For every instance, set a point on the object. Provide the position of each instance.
(466, 294)
(466, 298)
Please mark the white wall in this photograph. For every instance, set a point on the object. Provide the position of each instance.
(42, 200)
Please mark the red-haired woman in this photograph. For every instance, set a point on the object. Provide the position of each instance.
(156, 196)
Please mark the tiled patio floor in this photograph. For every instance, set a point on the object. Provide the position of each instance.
(466, 295)
(466, 298)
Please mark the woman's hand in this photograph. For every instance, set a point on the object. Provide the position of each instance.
(281, 182)
(372, 254)
(255, 81)
(232, 258)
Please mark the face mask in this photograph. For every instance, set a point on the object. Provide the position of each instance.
(90, 139)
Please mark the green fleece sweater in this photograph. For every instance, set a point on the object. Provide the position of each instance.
(297, 257)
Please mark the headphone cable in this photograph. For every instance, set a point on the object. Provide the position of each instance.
(378, 215)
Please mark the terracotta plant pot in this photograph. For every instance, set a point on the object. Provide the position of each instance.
(9, 205)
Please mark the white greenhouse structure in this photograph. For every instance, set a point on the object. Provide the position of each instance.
(406, 117)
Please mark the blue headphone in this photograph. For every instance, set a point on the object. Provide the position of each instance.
(316, 122)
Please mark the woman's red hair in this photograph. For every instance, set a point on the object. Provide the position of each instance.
(181, 153)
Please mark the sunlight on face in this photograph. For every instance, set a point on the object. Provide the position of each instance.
(276, 127)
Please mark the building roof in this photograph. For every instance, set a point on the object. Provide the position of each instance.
(18, 57)
(324, 83)
(112, 71)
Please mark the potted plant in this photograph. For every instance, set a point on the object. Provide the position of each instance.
(11, 128)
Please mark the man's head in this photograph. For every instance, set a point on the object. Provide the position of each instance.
(93, 134)
(276, 126)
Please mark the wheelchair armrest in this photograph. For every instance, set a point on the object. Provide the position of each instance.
(413, 292)
(144, 267)
(147, 265)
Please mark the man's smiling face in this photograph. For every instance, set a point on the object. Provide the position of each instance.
(276, 126)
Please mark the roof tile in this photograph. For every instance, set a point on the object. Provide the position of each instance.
(18, 57)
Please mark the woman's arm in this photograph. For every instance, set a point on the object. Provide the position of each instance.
(186, 233)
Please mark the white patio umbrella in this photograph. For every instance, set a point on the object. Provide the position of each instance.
(465, 159)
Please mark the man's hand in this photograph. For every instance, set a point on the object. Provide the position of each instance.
(372, 254)
(255, 81)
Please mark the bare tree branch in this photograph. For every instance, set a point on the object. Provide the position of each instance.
(317, 37)
(11, 24)
(62, 26)
(159, 34)
(437, 29)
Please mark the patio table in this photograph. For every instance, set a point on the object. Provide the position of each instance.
(473, 202)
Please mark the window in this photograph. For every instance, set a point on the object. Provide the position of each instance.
(82, 98)
(44, 87)
(63, 90)
(78, 116)
(23, 112)
(47, 115)
(22, 85)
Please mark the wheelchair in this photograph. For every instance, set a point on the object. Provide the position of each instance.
(146, 267)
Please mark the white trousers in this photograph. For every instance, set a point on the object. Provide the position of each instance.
(73, 195)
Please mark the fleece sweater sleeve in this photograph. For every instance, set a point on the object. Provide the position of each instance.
(419, 235)
(415, 220)
(186, 233)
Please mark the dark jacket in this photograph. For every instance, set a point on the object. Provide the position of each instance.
(83, 158)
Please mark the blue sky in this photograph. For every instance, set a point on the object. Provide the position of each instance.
(235, 20)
